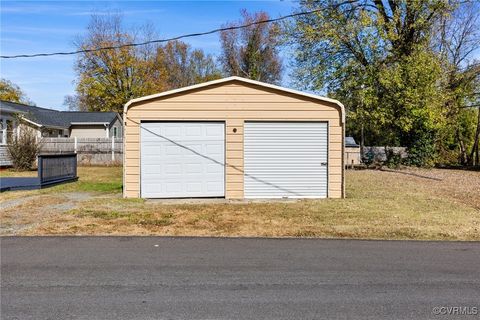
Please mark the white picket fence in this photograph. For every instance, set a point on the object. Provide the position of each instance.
(90, 151)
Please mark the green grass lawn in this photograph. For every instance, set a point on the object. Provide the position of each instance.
(409, 204)
(91, 179)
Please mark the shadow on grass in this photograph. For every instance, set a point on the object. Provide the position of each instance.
(458, 167)
(411, 174)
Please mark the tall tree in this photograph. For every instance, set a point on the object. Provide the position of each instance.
(72, 102)
(457, 37)
(252, 52)
(184, 66)
(12, 92)
(107, 79)
(376, 57)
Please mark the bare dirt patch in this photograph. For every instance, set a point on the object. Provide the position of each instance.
(22, 214)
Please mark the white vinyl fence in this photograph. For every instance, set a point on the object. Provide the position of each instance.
(90, 151)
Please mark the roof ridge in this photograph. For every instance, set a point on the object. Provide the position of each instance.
(88, 111)
(29, 105)
(240, 79)
(23, 104)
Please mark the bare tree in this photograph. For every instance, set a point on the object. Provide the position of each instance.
(23, 148)
(457, 39)
(107, 79)
(72, 102)
(184, 67)
(252, 52)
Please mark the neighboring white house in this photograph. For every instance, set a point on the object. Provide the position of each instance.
(54, 123)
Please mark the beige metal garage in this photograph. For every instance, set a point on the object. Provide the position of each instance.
(234, 138)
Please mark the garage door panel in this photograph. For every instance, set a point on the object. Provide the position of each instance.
(192, 146)
(211, 167)
(182, 159)
(194, 187)
(193, 131)
(171, 131)
(285, 159)
(214, 186)
(165, 150)
(214, 149)
(172, 168)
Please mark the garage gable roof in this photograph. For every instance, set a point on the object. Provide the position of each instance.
(235, 78)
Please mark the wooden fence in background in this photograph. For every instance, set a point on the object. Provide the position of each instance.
(90, 151)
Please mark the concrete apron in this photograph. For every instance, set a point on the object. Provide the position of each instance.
(220, 201)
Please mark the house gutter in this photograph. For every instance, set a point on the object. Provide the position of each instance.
(40, 126)
(31, 122)
(89, 123)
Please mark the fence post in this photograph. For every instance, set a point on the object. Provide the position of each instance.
(74, 160)
(113, 148)
(75, 144)
(40, 167)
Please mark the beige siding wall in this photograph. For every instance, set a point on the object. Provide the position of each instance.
(95, 131)
(27, 126)
(234, 103)
(352, 156)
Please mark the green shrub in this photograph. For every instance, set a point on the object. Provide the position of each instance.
(393, 159)
(422, 152)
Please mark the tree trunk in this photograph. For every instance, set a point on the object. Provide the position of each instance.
(463, 151)
(362, 142)
(474, 156)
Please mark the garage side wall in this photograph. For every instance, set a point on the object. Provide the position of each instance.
(233, 103)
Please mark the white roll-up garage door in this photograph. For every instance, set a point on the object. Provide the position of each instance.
(285, 159)
(182, 159)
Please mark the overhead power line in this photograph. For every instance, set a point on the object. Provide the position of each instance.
(293, 15)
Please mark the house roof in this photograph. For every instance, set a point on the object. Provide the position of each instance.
(350, 142)
(37, 115)
(57, 119)
(88, 117)
(235, 78)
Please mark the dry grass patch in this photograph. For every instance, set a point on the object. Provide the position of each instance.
(411, 204)
(14, 173)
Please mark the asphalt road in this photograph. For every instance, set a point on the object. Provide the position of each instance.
(207, 278)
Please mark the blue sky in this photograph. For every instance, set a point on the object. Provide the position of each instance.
(47, 26)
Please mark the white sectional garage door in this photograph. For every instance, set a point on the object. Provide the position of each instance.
(285, 159)
(182, 159)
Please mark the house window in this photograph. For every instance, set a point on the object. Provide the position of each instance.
(115, 129)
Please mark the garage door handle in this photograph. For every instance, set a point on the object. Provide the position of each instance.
(324, 164)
